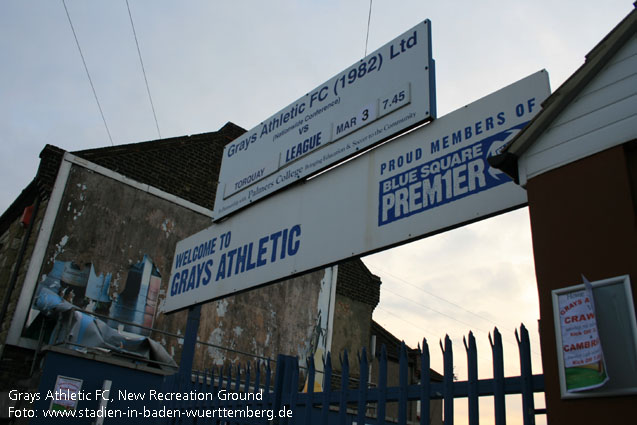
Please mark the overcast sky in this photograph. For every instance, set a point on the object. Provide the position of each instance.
(209, 62)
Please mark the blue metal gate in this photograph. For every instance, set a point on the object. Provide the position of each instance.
(279, 401)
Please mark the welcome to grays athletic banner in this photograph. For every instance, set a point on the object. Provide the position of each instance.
(433, 178)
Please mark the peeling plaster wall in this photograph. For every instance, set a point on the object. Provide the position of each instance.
(112, 226)
(104, 227)
(16, 362)
(276, 319)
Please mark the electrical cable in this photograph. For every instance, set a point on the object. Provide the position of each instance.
(447, 315)
(369, 20)
(430, 337)
(480, 359)
(139, 53)
(87, 73)
(436, 311)
(439, 297)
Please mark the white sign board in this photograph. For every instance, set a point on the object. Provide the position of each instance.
(388, 91)
(434, 178)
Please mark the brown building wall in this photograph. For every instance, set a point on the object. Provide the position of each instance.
(583, 222)
(108, 226)
(10, 243)
(357, 295)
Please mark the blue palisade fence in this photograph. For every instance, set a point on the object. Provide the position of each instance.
(348, 405)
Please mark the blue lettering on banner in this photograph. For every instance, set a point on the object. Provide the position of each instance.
(451, 177)
(191, 278)
(251, 178)
(468, 132)
(309, 144)
(268, 249)
(193, 254)
(241, 145)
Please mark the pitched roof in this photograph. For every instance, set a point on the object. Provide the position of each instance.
(392, 346)
(386, 338)
(358, 283)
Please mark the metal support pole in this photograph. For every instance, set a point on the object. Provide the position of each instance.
(190, 340)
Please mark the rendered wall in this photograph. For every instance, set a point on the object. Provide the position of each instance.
(351, 331)
(278, 319)
(16, 362)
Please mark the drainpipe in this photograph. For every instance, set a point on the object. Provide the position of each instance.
(16, 268)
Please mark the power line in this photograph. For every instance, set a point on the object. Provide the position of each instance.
(369, 20)
(435, 311)
(139, 53)
(444, 314)
(439, 297)
(488, 332)
(482, 359)
(432, 337)
(87, 73)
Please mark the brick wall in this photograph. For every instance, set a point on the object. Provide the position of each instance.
(187, 166)
(15, 367)
(355, 281)
(10, 243)
(50, 160)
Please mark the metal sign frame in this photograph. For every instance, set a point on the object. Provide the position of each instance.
(434, 178)
(617, 327)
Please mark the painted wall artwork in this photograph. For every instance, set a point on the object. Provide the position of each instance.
(108, 262)
(79, 285)
(100, 284)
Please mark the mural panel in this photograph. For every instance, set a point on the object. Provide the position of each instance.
(109, 248)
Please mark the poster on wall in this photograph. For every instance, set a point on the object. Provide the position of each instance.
(584, 364)
(65, 393)
(596, 338)
(71, 284)
(100, 280)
